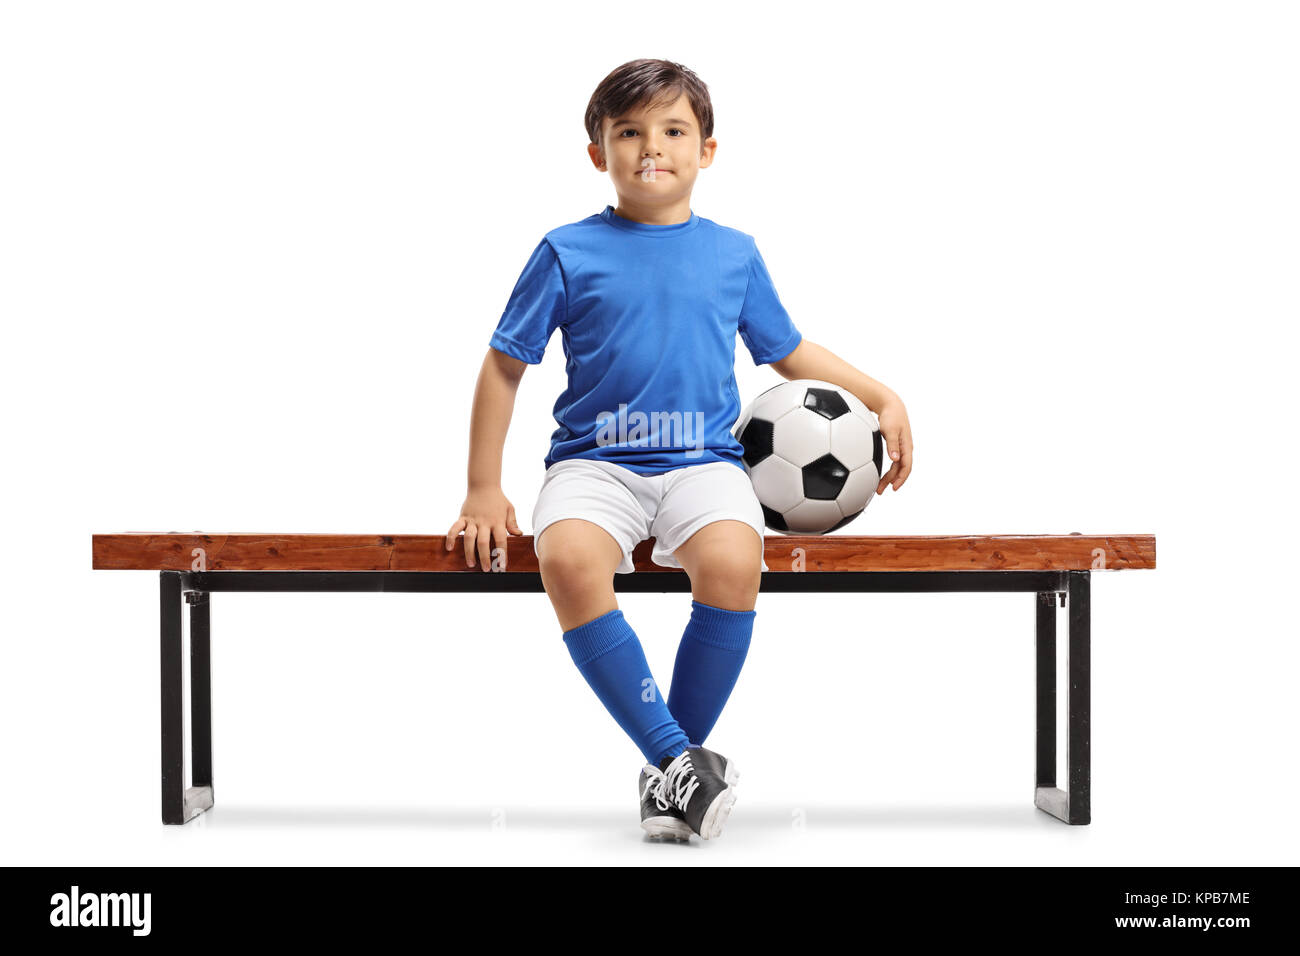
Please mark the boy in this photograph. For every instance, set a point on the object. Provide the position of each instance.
(649, 298)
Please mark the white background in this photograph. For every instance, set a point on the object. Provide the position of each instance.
(252, 254)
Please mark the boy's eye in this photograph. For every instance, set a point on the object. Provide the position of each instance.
(673, 130)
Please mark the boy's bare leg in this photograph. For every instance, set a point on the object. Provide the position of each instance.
(724, 561)
(577, 559)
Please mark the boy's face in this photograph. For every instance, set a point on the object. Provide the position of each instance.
(653, 156)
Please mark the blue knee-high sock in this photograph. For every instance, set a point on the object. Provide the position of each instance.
(610, 657)
(709, 659)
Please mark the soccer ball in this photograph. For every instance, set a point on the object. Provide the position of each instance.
(814, 454)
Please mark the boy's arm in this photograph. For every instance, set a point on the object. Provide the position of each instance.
(494, 404)
(487, 514)
(810, 360)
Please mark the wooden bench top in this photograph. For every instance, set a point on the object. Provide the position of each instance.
(178, 551)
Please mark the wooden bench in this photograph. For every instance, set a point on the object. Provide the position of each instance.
(1052, 567)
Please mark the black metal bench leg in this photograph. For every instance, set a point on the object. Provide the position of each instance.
(173, 728)
(1045, 699)
(181, 803)
(201, 691)
(1074, 804)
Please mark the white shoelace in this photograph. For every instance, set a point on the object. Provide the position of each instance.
(680, 781)
(654, 785)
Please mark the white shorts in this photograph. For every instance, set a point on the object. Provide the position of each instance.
(669, 507)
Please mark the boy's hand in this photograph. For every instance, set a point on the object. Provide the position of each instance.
(487, 518)
(897, 432)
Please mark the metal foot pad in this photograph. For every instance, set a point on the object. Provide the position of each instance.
(1056, 801)
(197, 799)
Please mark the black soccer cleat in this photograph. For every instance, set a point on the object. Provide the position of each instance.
(659, 818)
(699, 784)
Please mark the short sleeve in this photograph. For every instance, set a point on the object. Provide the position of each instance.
(765, 326)
(537, 305)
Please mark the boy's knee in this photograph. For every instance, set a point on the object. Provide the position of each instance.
(566, 567)
(728, 579)
(577, 556)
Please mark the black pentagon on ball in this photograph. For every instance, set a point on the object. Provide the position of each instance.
(824, 478)
(756, 439)
(825, 402)
(773, 519)
(878, 452)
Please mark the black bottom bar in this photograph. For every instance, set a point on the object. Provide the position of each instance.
(774, 582)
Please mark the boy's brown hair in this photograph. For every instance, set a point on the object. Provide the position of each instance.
(648, 83)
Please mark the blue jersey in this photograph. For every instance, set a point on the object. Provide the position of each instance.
(648, 315)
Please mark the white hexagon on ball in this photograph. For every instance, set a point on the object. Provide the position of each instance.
(811, 516)
(778, 484)
(851, 441)
(801, 436)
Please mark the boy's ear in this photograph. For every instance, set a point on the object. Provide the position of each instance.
(597, 155)
(707, 150)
